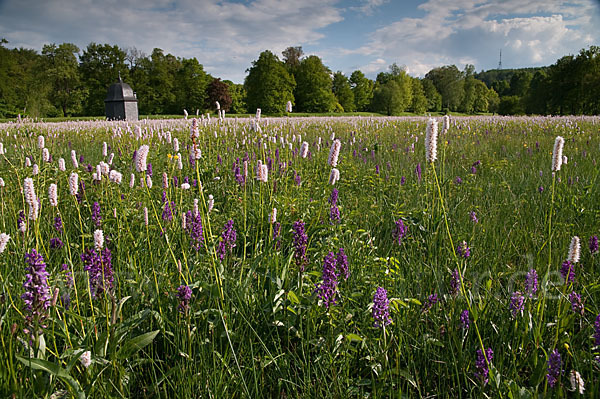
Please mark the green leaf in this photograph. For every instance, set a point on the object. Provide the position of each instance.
(55, 370)
(132, 346)
(354, 338)
(293, 298)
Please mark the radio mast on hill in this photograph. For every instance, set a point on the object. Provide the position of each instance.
(500, 62)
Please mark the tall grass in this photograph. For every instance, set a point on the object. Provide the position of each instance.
(254, 326)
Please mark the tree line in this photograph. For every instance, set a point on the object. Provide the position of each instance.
(63, 80)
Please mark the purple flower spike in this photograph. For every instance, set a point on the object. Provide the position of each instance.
(593, 244)
(400, 231)
(465, 322)
(184, 294)
(381, 311)
(300, 242)
(228, 238)
(327, 290)
(554, 368)
(531, 283)
(482, 366)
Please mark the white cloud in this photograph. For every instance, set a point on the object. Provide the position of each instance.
(224, 36)
(529, 32)
(368, 6)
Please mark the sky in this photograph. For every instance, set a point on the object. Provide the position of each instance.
(226, 36)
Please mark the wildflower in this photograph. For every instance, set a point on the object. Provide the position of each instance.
(86, 359)
(41, 142)
(211, 202)
(98, 264)
(418, 171)
(576, 304)
(145, 216)
(56, 243)
(431, 300)
(148, 182)
(517, 302)
(141, 158)
(531, 282)
(482, 364)
(4, 238)
(334, 153)
(300, 242)
(228, 238)
(185, 186)
(334, 214)
(463, 250)
(98, 240)
(574, 250)
(31, 198)
(45, 155)
(458, 180)
(597, 331)
(473, 216)
(567, 271)
(577, 383)
(342, 263)
(541, 189)
(381, 311)
(554, 368)
(327, 290)
(445, 124)
(557, 153)
(74, 159)
(455, 283)
(194, 228)
(167, 213)
(465, 322)
(402, 180)
(304, 150)
(431, 140)
(334, 176)
(53, 194)
(400, 231)
(73, 183)
(96, 217)
(593, 244)
(184, 294)
(333, 198)
(61, 164)
(288, 107)
(21, 224)
(37, 293)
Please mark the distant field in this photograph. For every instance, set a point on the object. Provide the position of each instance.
(392, 281)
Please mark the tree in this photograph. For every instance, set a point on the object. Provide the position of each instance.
(434, 98)
(238, 97)
(419, 101)
(314, 86)
(100, 66)
(191, 83)
(449, 82)
(362, 88)
(63, 74)
(291, 57)
(218, 91)
(343, 92)
(268, 84)
(393, 91)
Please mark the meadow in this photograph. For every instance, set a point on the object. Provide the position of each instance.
(248, 258)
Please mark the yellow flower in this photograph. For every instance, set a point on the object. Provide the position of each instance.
(169, 156)
(176, 157)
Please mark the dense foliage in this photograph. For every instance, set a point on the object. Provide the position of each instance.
(64, 81)
(196, 258)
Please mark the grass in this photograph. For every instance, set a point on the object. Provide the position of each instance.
(254, 326)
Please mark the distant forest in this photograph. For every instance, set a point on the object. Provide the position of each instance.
(63, 80)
